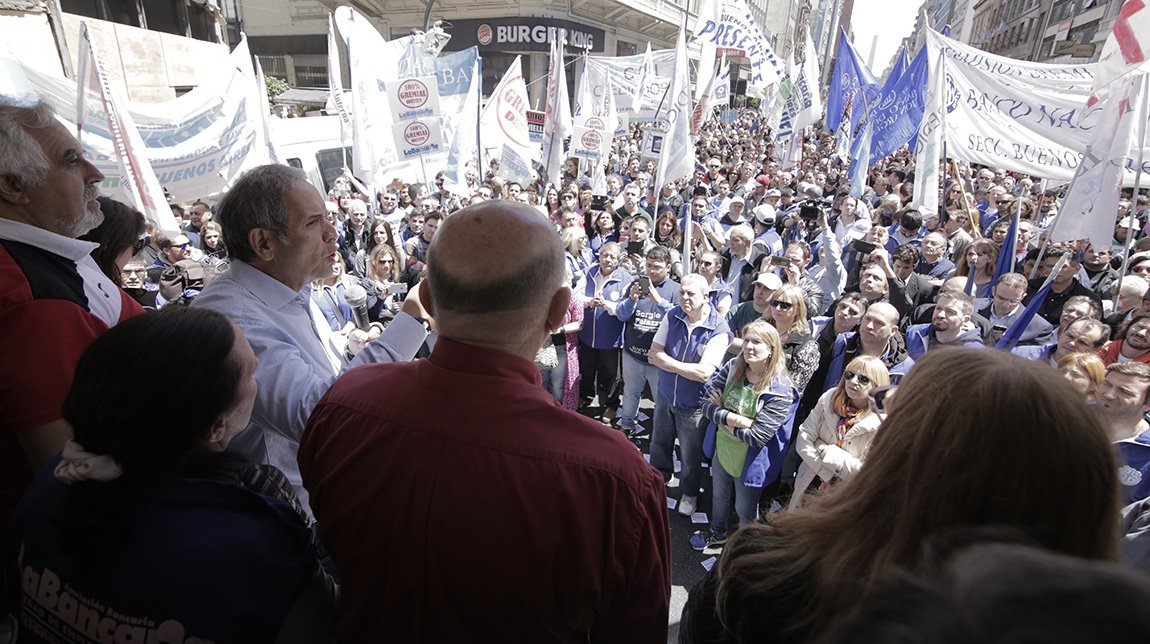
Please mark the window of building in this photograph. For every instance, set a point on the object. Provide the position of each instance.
(165, 16)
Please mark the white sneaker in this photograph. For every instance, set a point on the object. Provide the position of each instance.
(687, 505)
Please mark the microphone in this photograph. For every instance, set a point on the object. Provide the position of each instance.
(356, 297)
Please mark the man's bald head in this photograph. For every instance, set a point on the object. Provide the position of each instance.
(886, 311)
(494, 257)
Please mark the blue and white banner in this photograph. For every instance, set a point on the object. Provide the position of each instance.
(850, 76)
(895, 119)
(737, 29)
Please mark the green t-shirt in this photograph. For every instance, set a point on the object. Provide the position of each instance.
(732, 452)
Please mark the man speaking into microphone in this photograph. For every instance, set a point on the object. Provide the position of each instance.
(279, 240)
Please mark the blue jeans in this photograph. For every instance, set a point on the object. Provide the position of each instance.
(553, 379)
(682, 423)
(746, 499)
(635, 373)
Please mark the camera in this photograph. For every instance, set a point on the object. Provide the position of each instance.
(862, 247)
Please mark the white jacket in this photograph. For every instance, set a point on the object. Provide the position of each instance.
(818, 446)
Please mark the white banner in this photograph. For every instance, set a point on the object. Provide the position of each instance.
(626, 73)
(1021, 116)
(197, 144)
(506, 135)
(738, 30)
(589, 143)
(677, 156)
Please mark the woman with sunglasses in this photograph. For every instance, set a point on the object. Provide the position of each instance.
(120, 236)
(788, 313)
(834, 439)
(747, 402)
(382, 285)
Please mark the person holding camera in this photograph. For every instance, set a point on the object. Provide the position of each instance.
(649, 298)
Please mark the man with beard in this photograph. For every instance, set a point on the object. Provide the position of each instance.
(950, 327)
(1066, 284)
(1133, 345)
(55, 300)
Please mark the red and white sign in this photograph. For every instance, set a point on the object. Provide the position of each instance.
(413, 98)
(417, 138)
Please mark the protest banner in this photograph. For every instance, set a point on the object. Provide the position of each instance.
(1017, 115)
(197, 144)
(626, 73)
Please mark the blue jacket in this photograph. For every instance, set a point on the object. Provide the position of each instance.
(601, 330)
(769, 437)
(847, 344)
(1134, 468)
(920, 336)
(641, 317)
(687, 347)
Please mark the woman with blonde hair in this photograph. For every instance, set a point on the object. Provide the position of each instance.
(787, 310)
(748, 402)
(382, 284)
(1030, 456)
(1084, 371)
(834, 439)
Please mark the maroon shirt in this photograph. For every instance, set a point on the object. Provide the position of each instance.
(461, 502)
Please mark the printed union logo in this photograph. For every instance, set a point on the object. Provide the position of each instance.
(416, 134)
(596, 123)
(412, 94)
(591, 140)
(483, 34)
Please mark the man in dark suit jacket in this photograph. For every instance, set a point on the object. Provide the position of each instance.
(1005, 307)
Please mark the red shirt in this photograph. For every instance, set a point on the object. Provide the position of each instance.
(461, 502)
(45, 325)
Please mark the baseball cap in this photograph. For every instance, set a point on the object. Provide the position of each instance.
(769, 280)
(765, 214)
(763, 179)
(773, 192)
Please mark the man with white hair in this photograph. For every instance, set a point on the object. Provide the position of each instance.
(1127, 294)
(738, 267)
(55, 300)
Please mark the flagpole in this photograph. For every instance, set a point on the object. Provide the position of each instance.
(1046, 241)
(1137, 171)
(1014, 242)
(478, 119)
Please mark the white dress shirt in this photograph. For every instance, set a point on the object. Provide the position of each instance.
(295, 367)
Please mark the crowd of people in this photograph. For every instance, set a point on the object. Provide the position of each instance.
(412, 414)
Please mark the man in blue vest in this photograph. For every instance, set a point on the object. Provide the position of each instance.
(602, 334)
(687, 349)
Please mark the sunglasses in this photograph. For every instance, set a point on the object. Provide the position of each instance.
(857, 377)
(184, 245)
(781, 305)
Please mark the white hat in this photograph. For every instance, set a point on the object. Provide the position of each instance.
(765, 214)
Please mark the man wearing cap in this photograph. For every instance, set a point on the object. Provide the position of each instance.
(734, 214)
(764, 286)
(1125, 227)
(767, 239)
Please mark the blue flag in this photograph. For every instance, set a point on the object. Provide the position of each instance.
(860, 158)
(1014, 333)
(1005, 263)
(900, 108)
(851, 75)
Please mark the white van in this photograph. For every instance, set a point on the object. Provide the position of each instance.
(311, 144)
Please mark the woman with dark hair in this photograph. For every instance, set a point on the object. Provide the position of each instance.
(151, 529)
(1030, 456)
(977, 263)
(667, 234)
(120, 236)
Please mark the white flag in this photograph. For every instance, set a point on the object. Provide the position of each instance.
(1127, 48)
(266, 111)
(557, 122)
(335, 81)
(15, 88)
(1091, 204)
(506, 135)
(677, 155)
(928, 145)
(704, 104)
(646, 76)
(139, 180)
(806, 91)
